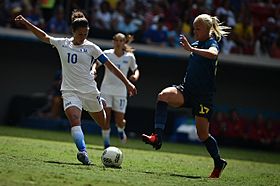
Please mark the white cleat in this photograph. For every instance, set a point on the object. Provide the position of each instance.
(123, 137)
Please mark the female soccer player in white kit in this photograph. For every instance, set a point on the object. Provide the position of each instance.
(112, 89)
(79, 90)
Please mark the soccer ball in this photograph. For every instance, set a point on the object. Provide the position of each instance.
(112, 157)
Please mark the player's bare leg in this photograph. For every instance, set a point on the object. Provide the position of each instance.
(120, 123)
(100, 118)
(74, 116)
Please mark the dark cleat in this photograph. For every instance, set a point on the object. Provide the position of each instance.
(217, 171)
(153, 140)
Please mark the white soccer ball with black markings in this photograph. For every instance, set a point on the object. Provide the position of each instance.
(112, 157)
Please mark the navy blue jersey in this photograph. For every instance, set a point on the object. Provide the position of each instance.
(201, 71)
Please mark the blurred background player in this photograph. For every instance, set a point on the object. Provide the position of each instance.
(112, 89)
(79, 90)
(197, 89)
(53, 107)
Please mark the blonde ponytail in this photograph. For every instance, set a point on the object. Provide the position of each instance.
(218, 29)
(128, 39)
(215, 27)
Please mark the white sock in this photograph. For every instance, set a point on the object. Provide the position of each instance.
(120, 129)
(106, 137)
(78, 137)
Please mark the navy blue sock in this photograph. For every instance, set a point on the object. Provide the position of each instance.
(212, 148)
(160, 117)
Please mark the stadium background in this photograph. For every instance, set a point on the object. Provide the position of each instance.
(247, 78)
(28, 67)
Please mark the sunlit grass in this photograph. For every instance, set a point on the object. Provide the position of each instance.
(34, 157)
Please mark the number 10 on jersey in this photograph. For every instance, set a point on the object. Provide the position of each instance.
(72, 58)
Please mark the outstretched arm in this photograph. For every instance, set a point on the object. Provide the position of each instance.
(130, 87)
(211, 53)
(40, 34)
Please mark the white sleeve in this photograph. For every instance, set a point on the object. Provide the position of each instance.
(96, 52)
(55, 41)
(133, 66)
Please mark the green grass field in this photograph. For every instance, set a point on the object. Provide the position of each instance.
(36, 157)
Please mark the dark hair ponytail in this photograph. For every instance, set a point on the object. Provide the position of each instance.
(79, 23)
(76, 13)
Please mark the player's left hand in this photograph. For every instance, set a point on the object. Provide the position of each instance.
(131, 89)
(93, 73)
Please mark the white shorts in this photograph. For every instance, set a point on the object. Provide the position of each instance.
(117, 103)
(89, 102)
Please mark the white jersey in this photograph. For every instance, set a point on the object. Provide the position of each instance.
(76, 61)
(112, 85)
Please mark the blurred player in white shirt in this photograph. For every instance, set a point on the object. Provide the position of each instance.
(79, 90)
(112, 89)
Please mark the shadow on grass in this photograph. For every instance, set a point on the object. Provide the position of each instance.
(79, 164)
(186, 176)
(67, 163)
(95, 148)
(176, 175)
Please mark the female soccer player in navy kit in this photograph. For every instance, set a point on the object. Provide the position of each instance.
(197, 89)
(79, 89)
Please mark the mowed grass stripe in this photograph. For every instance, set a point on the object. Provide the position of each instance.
(93, 139)
(45, 162)
(31, 161)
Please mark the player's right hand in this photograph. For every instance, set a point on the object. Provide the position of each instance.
(20, 19)
(185, 43)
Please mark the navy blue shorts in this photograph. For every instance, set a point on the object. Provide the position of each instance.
(201, 104)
